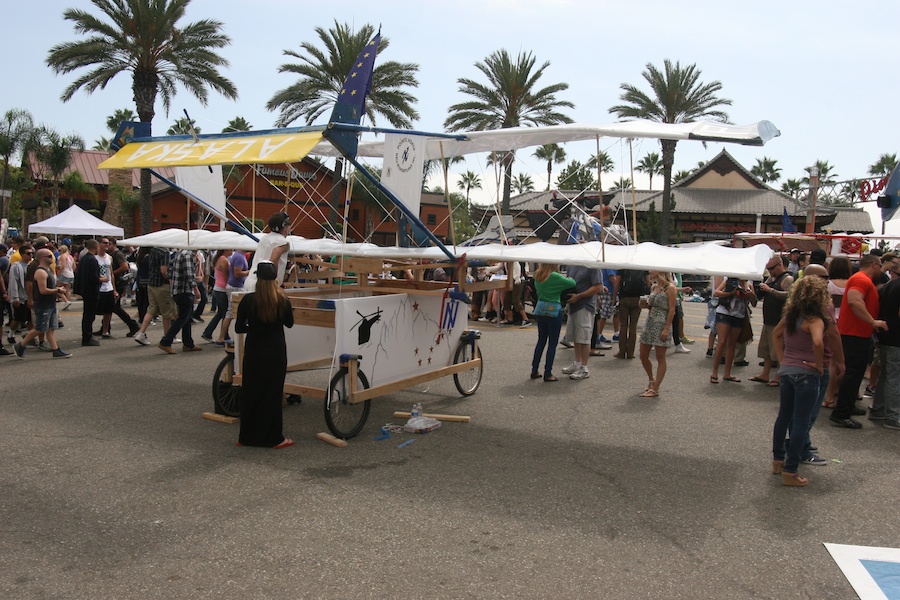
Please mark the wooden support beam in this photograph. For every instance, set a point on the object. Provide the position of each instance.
(360, 395)
(220, 418)
(399, 414)
(327, 437)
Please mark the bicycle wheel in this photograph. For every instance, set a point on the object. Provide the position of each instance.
(345, 420)
(226, 395)
(467, 381)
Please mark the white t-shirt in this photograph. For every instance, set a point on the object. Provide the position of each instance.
(105, 263)
(267, 244)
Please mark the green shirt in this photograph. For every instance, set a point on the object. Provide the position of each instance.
(550, 289)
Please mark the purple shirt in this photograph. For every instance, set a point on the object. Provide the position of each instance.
(237, 260)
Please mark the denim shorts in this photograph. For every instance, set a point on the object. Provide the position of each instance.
(45, 319)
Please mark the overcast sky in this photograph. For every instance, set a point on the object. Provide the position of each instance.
(824, 73)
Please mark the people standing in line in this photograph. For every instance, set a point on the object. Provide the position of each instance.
(582, 306)
(549, 283)
(886, 400)
(106, 303)
(857, 323)
(734, 297)
(839, 271)
(121, 271)
(87, 285)
(657, 330)
(776, 289)
(65, 266)
(221, 267)
(272, 247)
(801, 360)
(159, 295)
(182, 273)
(237, 275)
(262, 315)
(45, 294)
(632, 285)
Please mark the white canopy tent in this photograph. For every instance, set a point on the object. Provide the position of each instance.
(75, 221)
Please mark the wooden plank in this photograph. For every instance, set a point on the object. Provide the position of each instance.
(327, 437)
(387, 388)
(357, 264)
(314, 317)
(399, 414)
(220, 418)
(305, 390)
(310, 364)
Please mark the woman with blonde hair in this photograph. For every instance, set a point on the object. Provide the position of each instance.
(548, 313)
(262, 315)
(801, 360)
(657, 328)
(65, 273)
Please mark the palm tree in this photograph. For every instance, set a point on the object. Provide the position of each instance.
(182, 126)
(145, 39)
(14, 131)
(54, 153)
(683, 174)
(237, 124)
(112, 124)
(622, 184)
(606, 165)
(469, 181)
(322, 73)
(766, 170)
(885, 165)
(826, 176)
(509, 99)
(792, 187)
(678, 96)
(523, 183)
(651, 165)
(552, 153)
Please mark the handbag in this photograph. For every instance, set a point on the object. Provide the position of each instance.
(746, 333)
(544, 308)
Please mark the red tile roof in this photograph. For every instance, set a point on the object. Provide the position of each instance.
(86, 161)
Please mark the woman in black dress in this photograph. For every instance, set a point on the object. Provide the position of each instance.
(262, 315)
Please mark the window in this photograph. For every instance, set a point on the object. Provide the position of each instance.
(431, 219)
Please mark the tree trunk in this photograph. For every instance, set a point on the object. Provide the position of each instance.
(507, 182)
(668, 157)
(119, 183)
(146, 202)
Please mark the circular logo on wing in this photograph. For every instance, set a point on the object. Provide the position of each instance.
(406, 155)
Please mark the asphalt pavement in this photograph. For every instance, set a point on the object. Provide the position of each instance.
(113, 486)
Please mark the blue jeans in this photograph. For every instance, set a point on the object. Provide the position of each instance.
(548, 335)
(857, 356)
(185, 304)
(887, 392)
(220, 302)
(823, 387)
(799, 393)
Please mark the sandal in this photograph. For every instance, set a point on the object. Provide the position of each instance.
(828, 404)
(550, 378)
(288, 442)
(597, 353)
(732, 379)
(759, 379)
(773, 383)
(649, 394)
(714, 379)
(535, 375)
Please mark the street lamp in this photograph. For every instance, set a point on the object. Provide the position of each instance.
(813, 193)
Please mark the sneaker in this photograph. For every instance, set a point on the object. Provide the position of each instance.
(91, 342)
(133, 331)
(870, 391)
(566, 343)
(219, 344)
(176, 341)
(524, 324)
(5, 352)
(571, 368)
(815, 461)
(603, 339)
(141, 338)
(208, 338)
(11, 339)
(197, 319)
(710, 352)
(166, 349)
(891, 424)
(847, 423)
(107, 336)
(616, 337)
(876, 415)
(687, 341)
(858, 411)
(604, 345)
(19, 349)
(680, 349)
(60, 353)
(581, 373)
(741, 363)
(43, 347)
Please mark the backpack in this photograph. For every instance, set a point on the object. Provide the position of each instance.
(633, 283)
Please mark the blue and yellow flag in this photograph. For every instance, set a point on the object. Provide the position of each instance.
(351, 104)
(787, 226)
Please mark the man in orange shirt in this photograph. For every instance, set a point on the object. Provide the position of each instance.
(856, 324)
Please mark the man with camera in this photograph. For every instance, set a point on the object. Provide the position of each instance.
(774, 291)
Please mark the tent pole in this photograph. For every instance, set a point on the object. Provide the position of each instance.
(600, 192)
(633, 195)
(447, 195)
